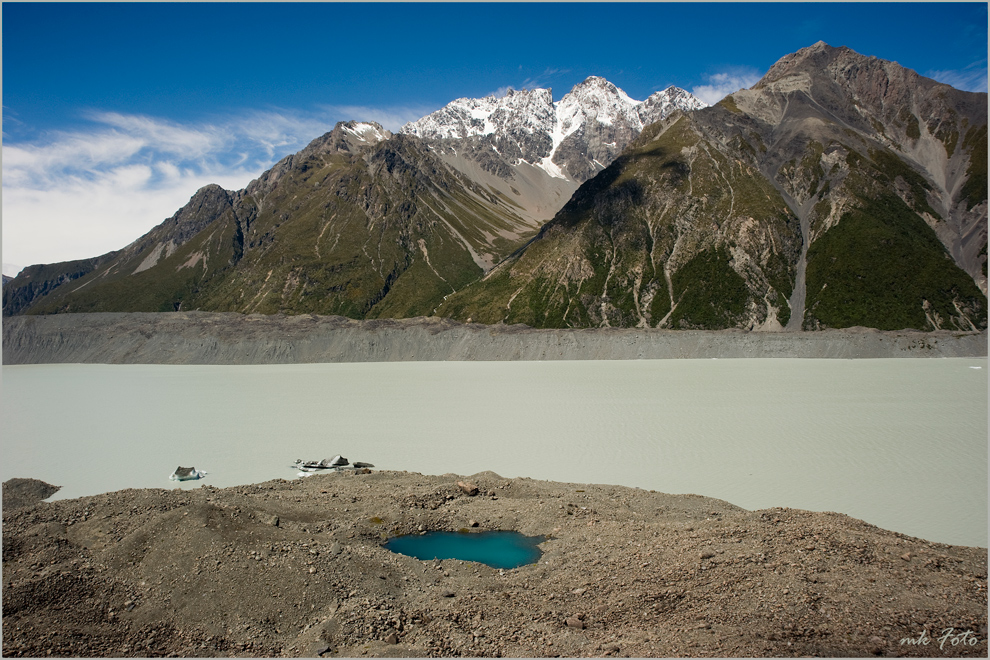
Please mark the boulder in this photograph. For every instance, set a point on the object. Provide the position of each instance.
(574, 622)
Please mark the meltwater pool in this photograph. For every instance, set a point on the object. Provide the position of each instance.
(498, 549)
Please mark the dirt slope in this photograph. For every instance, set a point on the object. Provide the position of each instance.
(297, 569)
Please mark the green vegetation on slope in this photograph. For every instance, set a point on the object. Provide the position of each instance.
(945, 130)
(911, 128)
(379, 232)
(709, 293)
(601, 260)
(889, 167)
(878, 265)
(729, 104)
(974, 190)
(176, 282)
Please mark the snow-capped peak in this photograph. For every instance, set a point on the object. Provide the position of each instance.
(600, 99)
(470, 117)
(660, 104)
(367, 131)
(531, 126)
(594, 99)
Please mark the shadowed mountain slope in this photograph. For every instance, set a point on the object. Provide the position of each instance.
(360, 223)
(839, 191)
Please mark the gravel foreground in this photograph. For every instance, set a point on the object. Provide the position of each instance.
(297, 568)
(229, 338)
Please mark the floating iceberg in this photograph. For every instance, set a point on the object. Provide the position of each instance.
(326, 464)
(186, 474)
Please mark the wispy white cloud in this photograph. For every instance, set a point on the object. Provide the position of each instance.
(722, 84)
(972, 78)
(541, 80)
(78, 194)
(277, 133)
(88, 216)
(392, 118)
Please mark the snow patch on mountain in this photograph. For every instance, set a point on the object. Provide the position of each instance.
(661, 104)
(551, 168)
(520, 122)
(367, 132)
(523, 113)
(529, 111)
(598, 99)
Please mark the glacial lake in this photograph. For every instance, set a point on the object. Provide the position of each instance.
(899, 443)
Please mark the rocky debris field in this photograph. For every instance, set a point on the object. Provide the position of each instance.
(230, 338)
(297, 568)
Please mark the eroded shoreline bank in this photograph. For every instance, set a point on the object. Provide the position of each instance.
(228, 338)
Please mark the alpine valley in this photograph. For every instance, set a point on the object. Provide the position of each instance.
(839, 191)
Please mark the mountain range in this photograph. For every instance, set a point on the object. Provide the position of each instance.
(840, 190)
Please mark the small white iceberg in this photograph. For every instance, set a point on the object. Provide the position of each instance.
(186, 474)
(331, 464)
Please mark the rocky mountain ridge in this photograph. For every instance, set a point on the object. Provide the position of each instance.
(839, 191)
(360, 222)
(573, 138)
(460, 205)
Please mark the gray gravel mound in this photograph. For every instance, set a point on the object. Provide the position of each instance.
(230, 338)
(19, 493)
(297, 569)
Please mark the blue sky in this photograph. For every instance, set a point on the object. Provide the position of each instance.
(115, 114)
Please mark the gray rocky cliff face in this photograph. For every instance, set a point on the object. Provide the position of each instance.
(205, 207)
(927, 125)
(346, 137)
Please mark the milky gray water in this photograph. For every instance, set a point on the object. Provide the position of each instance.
(899, 443)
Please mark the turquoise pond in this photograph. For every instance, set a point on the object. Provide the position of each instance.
(498, 549)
